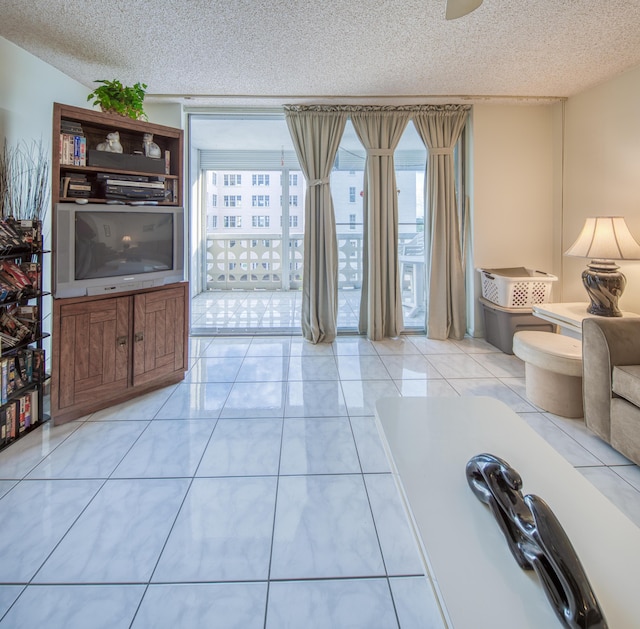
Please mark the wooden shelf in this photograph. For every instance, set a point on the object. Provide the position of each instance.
(95, 127)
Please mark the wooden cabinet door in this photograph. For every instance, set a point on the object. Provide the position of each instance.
(159, 334)
(94, 351)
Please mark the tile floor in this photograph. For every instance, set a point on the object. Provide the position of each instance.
(268, 312)
(254, 494)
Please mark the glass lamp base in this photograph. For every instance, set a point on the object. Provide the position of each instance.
(604, 284)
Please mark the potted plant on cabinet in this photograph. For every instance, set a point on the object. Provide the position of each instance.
(114, 97)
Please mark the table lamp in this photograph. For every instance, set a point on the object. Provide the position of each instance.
(604, 239)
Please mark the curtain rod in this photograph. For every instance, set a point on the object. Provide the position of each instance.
(191, 99)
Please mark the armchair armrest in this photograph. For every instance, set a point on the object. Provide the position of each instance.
(606, 342)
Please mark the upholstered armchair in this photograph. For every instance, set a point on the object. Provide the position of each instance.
(611, 382)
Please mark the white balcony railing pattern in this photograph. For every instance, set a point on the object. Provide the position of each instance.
(243, 261)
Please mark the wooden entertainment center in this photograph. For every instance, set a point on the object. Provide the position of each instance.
(110, 348)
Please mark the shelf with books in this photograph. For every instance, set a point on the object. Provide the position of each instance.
(96, 145)
(22, 356)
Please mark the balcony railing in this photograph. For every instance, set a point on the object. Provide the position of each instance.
(244, 261)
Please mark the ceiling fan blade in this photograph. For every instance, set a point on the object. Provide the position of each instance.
(458, 8)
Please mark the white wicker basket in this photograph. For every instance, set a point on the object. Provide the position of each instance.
(516, 287)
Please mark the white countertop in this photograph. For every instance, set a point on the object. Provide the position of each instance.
(480, 584)
(569, 316)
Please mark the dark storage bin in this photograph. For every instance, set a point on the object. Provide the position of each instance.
(501, 324)
(122, 161)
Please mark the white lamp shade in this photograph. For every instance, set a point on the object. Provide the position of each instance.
(605, 238)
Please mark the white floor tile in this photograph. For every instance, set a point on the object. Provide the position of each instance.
(263, 369)
(621, 494)
(315, 399)
(34, 516)
(425, 388)
(313, 368)
(458, 366)
(118, 538)
(92, 451)
(416, 603)
(167, 448)
(361, 395)
(22, 456)
(630, 473)
(223, 532)
(569, 448)
(143, 407)
(501, 365)
(318, 446)
(362, 368)
(75, 607)
(357, 604)
(219, 369)
(396, 346)
(399, 547)
(410, 367)
(324, 528)
(203, 605)
(373, 459)
(8, 594)
(576, 429)
(196, 401)
(243, 447)
(249, 399)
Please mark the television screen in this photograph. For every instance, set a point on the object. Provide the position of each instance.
(109, 244)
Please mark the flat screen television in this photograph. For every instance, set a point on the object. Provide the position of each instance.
(101, 249)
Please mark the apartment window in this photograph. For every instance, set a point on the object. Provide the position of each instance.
(293, 180)
(260, 221)
(212, 222)
(214, 178)
(260, 180)
(352, 221)
(260, 200)
(293, 200)
(293, 221)
(214, 200)
(232, 200)
(233, 180)
(352, 194)
(233, 221)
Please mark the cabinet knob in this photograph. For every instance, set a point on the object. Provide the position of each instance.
(122, 340)
(139, 337)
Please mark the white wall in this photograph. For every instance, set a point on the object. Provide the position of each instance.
(28, 89)
(602, 173)
(515, 193)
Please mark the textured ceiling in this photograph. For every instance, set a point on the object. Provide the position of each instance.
(298, 50)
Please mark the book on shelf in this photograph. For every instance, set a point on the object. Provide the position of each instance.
(35, 409)
(10, 411)
(71, 126)
(73, 150)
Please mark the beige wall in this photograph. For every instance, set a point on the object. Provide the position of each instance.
(602, 173)
(515, 189)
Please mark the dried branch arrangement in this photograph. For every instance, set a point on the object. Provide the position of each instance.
(24, 181)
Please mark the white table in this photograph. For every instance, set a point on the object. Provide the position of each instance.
(568, 316)
(478, 582)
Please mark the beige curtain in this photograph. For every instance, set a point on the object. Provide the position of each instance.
(381, 302)
(440, 128)
(316, 137)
